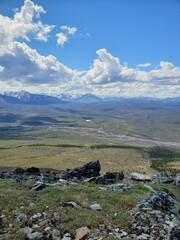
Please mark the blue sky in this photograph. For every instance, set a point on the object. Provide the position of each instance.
(118, 45)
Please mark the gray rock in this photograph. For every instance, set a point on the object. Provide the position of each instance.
(163, 178)
(116, 187)
(140, 177)
(39, 186)
(67, 236)
(21, 217)
(143, 236)
(56, 234)
(27, 230)
(70, 204)
(177, 181)
(109, 177)
(35, 236)
(96, 207)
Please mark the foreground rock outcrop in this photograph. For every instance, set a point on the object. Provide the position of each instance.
(156, 217)
(89, 172)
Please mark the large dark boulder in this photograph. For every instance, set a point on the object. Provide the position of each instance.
(33, 171)
(19, 171)
(109, 178)
(88, 170)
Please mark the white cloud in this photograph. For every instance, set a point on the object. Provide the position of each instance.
(22, 66)
(70, 30)
(1, 69)
(107, 69)
(24, 23)
(25, 66)
(144, 65)
(61, 38)
(64, 37)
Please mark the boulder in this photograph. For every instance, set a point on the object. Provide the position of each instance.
(33, 171)
(177, 181)
(82, 233)
(96, 207)
(163, 178)
(140, 177)
(109, 177)
(88, 170)
(19, 171)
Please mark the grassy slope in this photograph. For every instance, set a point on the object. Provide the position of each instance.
(16, 198)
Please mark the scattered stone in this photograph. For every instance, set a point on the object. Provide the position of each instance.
(143, 236)
(39, 186)
(140, 177)
(96, 207)
(82, 233)
(27, 230)
(56, 234)
(35, 236)
(67, 236)
(117, 187)
(21, 217)
(37, 215)
(123, 233)
(70, 204)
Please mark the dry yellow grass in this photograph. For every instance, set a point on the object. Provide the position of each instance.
(111, 159)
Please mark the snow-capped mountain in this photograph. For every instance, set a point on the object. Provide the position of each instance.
(81, 98)
(23, 97)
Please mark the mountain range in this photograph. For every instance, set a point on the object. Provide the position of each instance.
(24, 97)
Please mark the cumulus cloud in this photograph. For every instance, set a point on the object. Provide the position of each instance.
(24, 23)
(70, 30)
(61, 39)
(24, 65)
(107, 69)
(144, 65)
(21, 66)
(64, 37)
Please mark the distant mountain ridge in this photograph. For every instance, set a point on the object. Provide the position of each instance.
(24, 97)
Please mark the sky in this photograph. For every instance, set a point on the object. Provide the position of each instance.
(126, 48)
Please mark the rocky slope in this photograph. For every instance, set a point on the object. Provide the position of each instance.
(82, 204)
